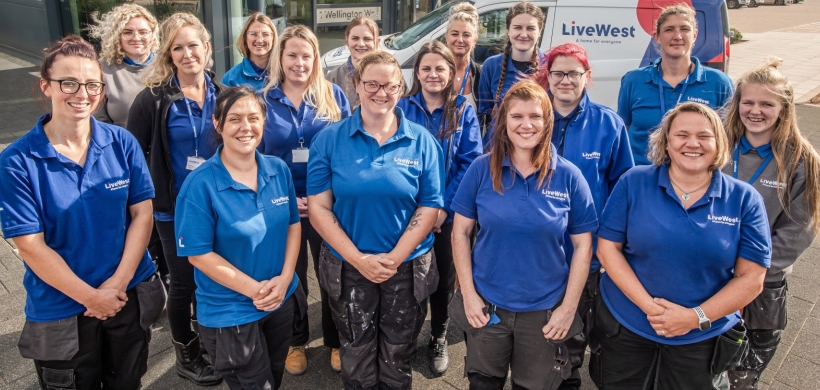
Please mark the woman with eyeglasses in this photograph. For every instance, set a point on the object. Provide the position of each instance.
(256, 42)
(361, 38)
(76, 200)
(594, 139)
(171, 119)
(300, 104)
(374, 191)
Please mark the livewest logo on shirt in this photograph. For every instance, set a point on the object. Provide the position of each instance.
(772, 183)
(591, 155)
(279, 201)
(119, 184)
(406, 162)
(555, 194)
(726, 220)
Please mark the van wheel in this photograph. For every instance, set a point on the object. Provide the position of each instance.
(753, 3)
(732, 4)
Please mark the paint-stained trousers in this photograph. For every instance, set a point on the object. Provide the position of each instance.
(378, 322)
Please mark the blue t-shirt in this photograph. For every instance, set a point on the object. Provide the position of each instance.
(376, 188)
(246, 73)
(593, 138)
(249, 229)
(286, 124)
(460, 149)
(682, 255)
(488, 84)
(518, 260)
(82, 211)
(639, 101)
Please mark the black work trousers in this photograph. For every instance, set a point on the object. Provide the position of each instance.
(439, 300)
(577, 344)
(181, 294)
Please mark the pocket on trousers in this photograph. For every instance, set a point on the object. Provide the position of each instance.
(237, 348)
(330, 273)
(359, 365)
(151, 298)
(604, 320)
(767, 310)
(457, 314)
(560, 369)
(58, 379)
(54, 340)
(425, 276)
(730, 349)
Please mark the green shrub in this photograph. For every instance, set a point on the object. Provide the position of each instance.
(738, 37)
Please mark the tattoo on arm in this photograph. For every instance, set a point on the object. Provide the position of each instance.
(414, 221)
(335, 221)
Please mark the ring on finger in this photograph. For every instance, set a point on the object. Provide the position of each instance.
(663, 331)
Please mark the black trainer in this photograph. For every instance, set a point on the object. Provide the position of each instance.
(439, 357)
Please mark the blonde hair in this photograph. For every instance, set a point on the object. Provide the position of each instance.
(108, 29)
(162, 68)
(319, 93)
(242, 42)
(677, 9)
(659, 140)
(789, 146)
(463, 12)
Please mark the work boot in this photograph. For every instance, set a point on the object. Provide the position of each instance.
(192, 366)
(439, 357)
(296, 363)
(335, 360)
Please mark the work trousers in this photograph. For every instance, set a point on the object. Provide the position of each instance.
(577, 344)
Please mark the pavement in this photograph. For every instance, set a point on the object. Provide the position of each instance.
(791, 35)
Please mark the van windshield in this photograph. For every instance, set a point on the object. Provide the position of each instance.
(421, 28)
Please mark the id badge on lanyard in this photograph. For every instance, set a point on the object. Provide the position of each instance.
(193, 162)
(300, 154)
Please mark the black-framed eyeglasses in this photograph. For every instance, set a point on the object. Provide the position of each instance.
(93, 88)
(557, 76)
(373, 87)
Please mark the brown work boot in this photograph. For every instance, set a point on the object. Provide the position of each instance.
(335, 360)
(296, 363)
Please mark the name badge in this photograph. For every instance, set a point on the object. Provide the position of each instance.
(194, 162)
(301, 155)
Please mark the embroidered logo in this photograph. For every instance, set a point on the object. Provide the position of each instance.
(591, 155)
(772, 184)
(406, 162)
(180, 242)
(555, 194)
(698, 100)
(279, 201)
(119, 184)
(725, 220)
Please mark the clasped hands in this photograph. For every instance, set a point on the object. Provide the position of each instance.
(669, 319)
(271, 293)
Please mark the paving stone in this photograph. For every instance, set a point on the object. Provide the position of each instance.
(804, 288)
(807, 346)
(799, 373)
(798, 309)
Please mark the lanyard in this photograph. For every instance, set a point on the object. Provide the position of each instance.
(464, 83)
(660, 90)
(300, 131)
(560, 146)
(191, 117)
(350, 65)
(759, 170)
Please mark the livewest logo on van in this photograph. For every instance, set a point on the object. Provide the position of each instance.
(599, 30)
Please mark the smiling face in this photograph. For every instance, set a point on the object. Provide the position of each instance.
(461, 38)
(135, 38)
(297, 60)
(259, 40)
(525, 124)
(568, 91)
(379, 102)
(760, 109)
(524, 31)
(691, 144)
(676, 36)
(188, 52)
(433, 73)
(77, 106)
(361, 42)
(242, 130)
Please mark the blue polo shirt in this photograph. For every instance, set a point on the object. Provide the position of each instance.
(82, 211)
(488, 84)
(682, 255)
(285, 125)
(376, 188)
(460, 149)
(248, 229)
(518, 260)
(639, 101)
(246, 73)
(594, 139)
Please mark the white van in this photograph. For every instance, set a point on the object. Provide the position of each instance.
(615, 33)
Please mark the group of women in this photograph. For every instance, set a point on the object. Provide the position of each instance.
(497, 193)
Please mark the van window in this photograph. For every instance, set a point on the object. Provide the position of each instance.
(421, 28)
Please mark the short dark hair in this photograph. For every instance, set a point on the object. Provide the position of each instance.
(227, 98)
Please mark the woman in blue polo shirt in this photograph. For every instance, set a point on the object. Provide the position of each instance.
(300, 104)
(770, 153)
(436, 105)
(238, 223)
(648, 93)
(76, 200)
(374, 189)
(593, 138)
(684, 247)
(525, 22)
(256, 42)
(171, 120)
(518, 294)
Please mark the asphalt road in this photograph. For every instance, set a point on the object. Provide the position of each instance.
(774, 17)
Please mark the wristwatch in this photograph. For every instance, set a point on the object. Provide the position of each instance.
(703, 321)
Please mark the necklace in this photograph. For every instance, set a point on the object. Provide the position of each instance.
(685, 195)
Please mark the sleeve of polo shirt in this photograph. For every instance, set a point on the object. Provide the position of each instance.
(615, 217)
(755, 238)
(727, 90)
(583, 217)
(141, 187)
(341, 100)
(195, 226)
(625, 100)
(469, 148)
(464, 202)
(292, 203)
(320, 173)
(622, 158)
(19, 212)
(431, 180)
